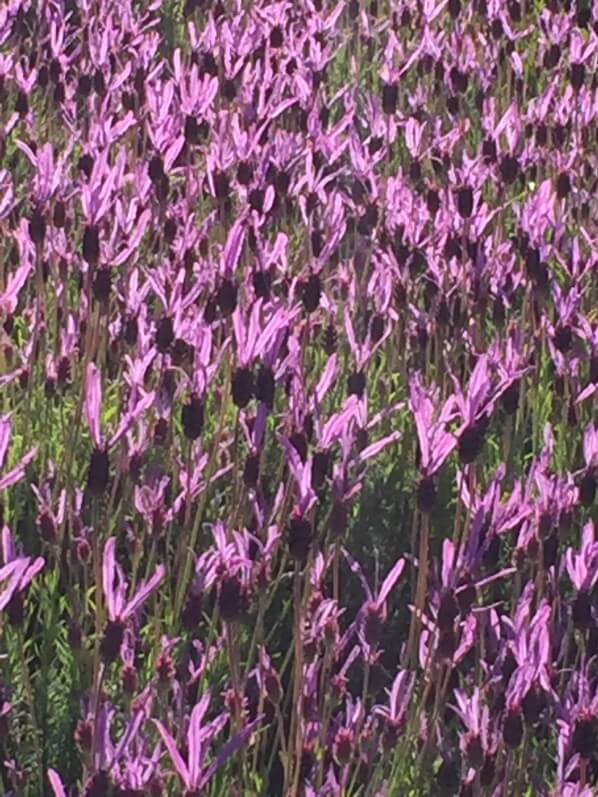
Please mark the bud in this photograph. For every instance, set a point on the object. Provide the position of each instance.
(98, 474)
(251, 470)
(584, 738)
(262, 284)
(84, 85)
(447, 643)
(276, 37)
(242, 387)
(510, 398)
(244, 173)
(156, 169)
(265, 386)
(131, 330)
(102, 283)
(91, 244)
(170, 228)
(471, 442)
(160, 431)
(356, 384)
(377, 328)
(165, 669)
(221, 186)
(191, 614)
(81, 550)
(465, 202)
(320, 469)
(16, 609)
(300, 538)
(317, 242)
(466, 597)
(112, 640)
(447, 777)
(474, 751)
(563, 185)
(22, 104)
(533, 704)
(164, 335)
(426, 494)
(489, 150)
(338, 519)
(509, 169)
(227, 297)
(256, 199)
(128, 679)
(330, 339)
(311, 291)
(373, 624)
(587, 488)
(232, 598)
(454, 8)
(299, 442)
(192, 418)
(343, 746)
(577, 74)
(581, 610)
(84, 735)
(390, 95)
(563, 338)
(59, 214)
(97, 786)
(512, 731)
(448, 611)
(74, 635)
(273, 686)
(37, 228)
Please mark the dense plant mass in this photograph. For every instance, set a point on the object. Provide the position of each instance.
(298, 398)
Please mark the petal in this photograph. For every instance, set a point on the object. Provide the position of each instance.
(144, 591)
(175, 756)
(194, 737)
(239, 740)
(93, 402)
(390, 580)
(16, 474)
(110, 575)
(56, 784)
(4, 437)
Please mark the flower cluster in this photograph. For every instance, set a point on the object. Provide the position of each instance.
(298, 384)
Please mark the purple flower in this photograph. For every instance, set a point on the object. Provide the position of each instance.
(395, 714)
(371, 617)
(119, 609)
(19, 578)
(15, 474)
(479, 740)
(431, 421)
(194, 772)
(582, 568)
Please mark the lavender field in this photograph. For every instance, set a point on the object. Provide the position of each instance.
(298, 398)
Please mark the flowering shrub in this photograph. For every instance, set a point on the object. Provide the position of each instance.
(298, 398)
